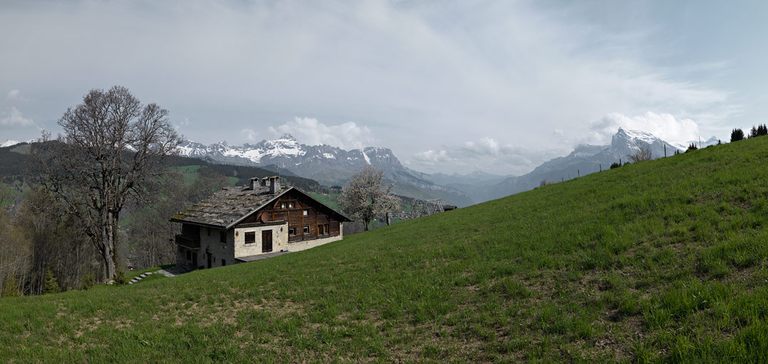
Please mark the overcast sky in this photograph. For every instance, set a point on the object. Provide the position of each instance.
(451, 86)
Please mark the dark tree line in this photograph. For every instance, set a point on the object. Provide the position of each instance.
(43, 249)
(756, 131)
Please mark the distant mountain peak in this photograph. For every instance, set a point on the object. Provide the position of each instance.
(9, 143)
(627, 134)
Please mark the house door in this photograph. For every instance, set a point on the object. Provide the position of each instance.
(266, 241)
(209, 259)
(194, 260)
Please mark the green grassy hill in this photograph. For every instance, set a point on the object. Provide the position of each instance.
(662, 260)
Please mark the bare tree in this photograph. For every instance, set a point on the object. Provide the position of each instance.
(112, 146)
(642, 154)
(366, 197)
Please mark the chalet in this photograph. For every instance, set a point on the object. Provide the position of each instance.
(241, 224)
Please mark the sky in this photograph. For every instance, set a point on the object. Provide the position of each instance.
(450, 86)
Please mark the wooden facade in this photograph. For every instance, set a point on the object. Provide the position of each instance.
(307, 219)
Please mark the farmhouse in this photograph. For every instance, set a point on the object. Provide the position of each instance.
(243, 223)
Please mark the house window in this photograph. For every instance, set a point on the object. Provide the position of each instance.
(292, 231)
(208, 230)
(322, 229)
(306, 212)
(282, 205)
(223, 236)
(189, 255)
(250, 237)
(290, 205)
(306, 229)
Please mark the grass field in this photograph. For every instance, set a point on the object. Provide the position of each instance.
(659, 261)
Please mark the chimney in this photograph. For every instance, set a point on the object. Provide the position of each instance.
(274, 184)
(254, 183)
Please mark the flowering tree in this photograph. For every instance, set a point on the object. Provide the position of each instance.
(366, 197)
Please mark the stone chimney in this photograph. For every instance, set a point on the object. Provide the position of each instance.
(255, 182)
(274, 184)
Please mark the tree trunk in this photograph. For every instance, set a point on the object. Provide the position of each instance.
(107, 251)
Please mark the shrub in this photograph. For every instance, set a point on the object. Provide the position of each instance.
(642, 154)
(615, 165)
(691, 147)
(88, 281)
(10, 287)
(51, 285)
(120, 277)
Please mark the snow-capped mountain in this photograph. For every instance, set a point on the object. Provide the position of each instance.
(324, 163)
(586, 159)
(9, 143)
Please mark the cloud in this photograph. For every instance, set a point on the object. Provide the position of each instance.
(310, 131)
(486, 154)
(14, 118)
(13, 95)
(421, 75)
(432, 156)
(250, 135)
(664, 126)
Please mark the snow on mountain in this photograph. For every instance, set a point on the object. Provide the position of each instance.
(585, 159)
(324, 163)
(9, 143)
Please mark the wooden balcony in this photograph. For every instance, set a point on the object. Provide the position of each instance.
(187, 241)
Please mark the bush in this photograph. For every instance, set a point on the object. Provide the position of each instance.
(10, 287)
(88, 281)
(120, 277)
(615, 165)
(691, 148)
(736, 135)
(51, 285)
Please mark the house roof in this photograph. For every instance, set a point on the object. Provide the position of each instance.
(230, 205)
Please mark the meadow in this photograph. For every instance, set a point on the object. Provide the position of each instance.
(662, 260)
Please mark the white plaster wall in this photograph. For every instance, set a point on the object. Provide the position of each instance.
(279, 240)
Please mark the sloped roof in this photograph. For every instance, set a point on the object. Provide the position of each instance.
(227, 206)
(230, 205)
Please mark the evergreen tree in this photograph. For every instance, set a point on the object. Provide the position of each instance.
(51, 284)
(736, 135)
(691, 147)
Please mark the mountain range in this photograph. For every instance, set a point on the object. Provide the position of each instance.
(334, 166)
(583, 160)
(326, 164)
